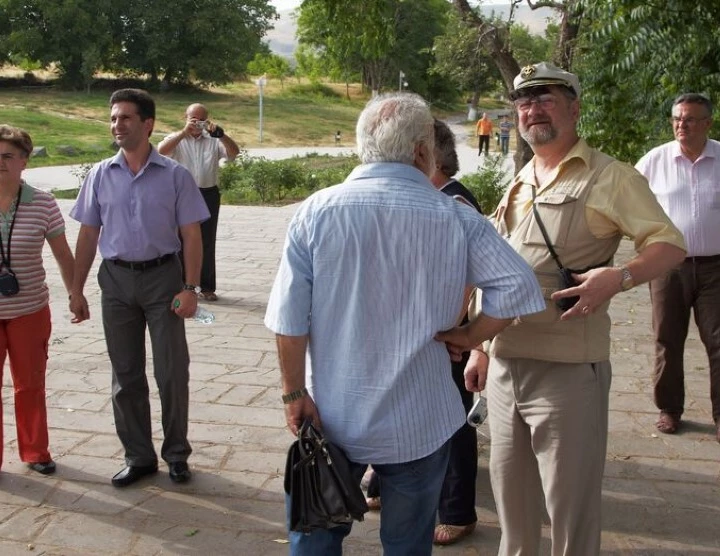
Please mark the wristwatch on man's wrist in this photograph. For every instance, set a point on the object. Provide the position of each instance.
(190, 287)
(627, 281)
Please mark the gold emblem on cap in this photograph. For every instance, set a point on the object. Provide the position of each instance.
(527, 71)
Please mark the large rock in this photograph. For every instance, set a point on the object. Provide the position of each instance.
(67, 150)
(39, 151)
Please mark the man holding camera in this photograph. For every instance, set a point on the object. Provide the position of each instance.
(549, 374)
(200, 146)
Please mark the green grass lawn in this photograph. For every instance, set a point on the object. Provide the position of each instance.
(298, 114)
(56, 118)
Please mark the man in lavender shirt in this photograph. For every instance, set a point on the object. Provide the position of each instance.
(132, 207)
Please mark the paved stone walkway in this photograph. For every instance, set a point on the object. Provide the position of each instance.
(661, 495)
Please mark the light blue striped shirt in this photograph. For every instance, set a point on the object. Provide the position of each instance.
(372, 269)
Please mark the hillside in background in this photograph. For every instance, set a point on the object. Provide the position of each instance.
(282, 38)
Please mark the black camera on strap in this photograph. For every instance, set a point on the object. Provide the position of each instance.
(8, 281)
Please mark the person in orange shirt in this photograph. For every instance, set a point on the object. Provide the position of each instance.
(484, 130)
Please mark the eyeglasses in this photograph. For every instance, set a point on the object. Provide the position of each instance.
(546, 102)
(689, 121)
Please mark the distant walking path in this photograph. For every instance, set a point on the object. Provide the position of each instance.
(62, 177)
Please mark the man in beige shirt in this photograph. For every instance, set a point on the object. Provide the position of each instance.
(549, 373)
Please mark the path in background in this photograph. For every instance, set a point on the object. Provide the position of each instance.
(61, 177)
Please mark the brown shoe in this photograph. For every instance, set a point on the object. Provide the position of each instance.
(449, 534)
(374, 503)
(208, 296)
(668, 423)
(717, 431)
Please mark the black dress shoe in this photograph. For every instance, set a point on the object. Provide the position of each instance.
(44, 467)
(179, 472)
(133, 473)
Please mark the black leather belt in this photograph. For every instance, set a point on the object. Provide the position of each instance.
(707, 259)
(143, 265)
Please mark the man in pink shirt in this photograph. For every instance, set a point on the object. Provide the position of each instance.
(684, 174)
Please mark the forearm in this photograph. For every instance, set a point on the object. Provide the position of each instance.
(192, 252)
(484, 328)
(291, 354)
(654, 260)
(65, 260)
(85, 251)
(231, 147)
(167, 147)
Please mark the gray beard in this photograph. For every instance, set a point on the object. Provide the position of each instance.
(539, 135)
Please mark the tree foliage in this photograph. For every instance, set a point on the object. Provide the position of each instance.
(272, 65)
(376, 38)
(210, 41)
(635, 58)
(458, 60)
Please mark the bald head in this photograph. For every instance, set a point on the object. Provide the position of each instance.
(196, 111)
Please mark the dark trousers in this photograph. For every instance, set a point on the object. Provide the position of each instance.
(483, 140)
(209, 235)
(694, 285)
(133, 300)
(457, 498)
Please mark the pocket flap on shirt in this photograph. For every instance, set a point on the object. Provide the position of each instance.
(555, 199)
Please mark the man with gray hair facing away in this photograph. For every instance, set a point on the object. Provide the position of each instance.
(371, 270)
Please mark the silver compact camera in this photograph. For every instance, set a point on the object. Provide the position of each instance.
(201, 124)
(478, 413)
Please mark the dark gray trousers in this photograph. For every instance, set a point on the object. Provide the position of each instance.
(131, 301)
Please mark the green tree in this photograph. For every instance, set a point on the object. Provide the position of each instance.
(377, 38)
(273, 65)
(211, 45)
(529, 48)
(636, 57)
(458, 60)
(76, 35)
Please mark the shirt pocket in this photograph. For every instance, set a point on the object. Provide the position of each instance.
(715, 200)
(556, 212)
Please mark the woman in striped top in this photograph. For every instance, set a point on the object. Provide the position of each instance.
(28, 217)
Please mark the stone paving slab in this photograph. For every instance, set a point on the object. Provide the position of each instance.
(661, 493)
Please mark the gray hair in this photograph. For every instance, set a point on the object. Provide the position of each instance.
(391, 125)
(694, 98)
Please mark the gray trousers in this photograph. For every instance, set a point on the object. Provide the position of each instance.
(131, 301)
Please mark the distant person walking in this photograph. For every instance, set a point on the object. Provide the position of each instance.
(484, 129)
(28, 218)
(200, 146)
(505, 127)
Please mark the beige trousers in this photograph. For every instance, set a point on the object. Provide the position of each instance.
(548, 426)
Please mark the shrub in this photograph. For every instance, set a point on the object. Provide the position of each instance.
(488, 184)
(276, 181)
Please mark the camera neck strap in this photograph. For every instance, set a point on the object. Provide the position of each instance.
(544, 231)
(6, 260)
